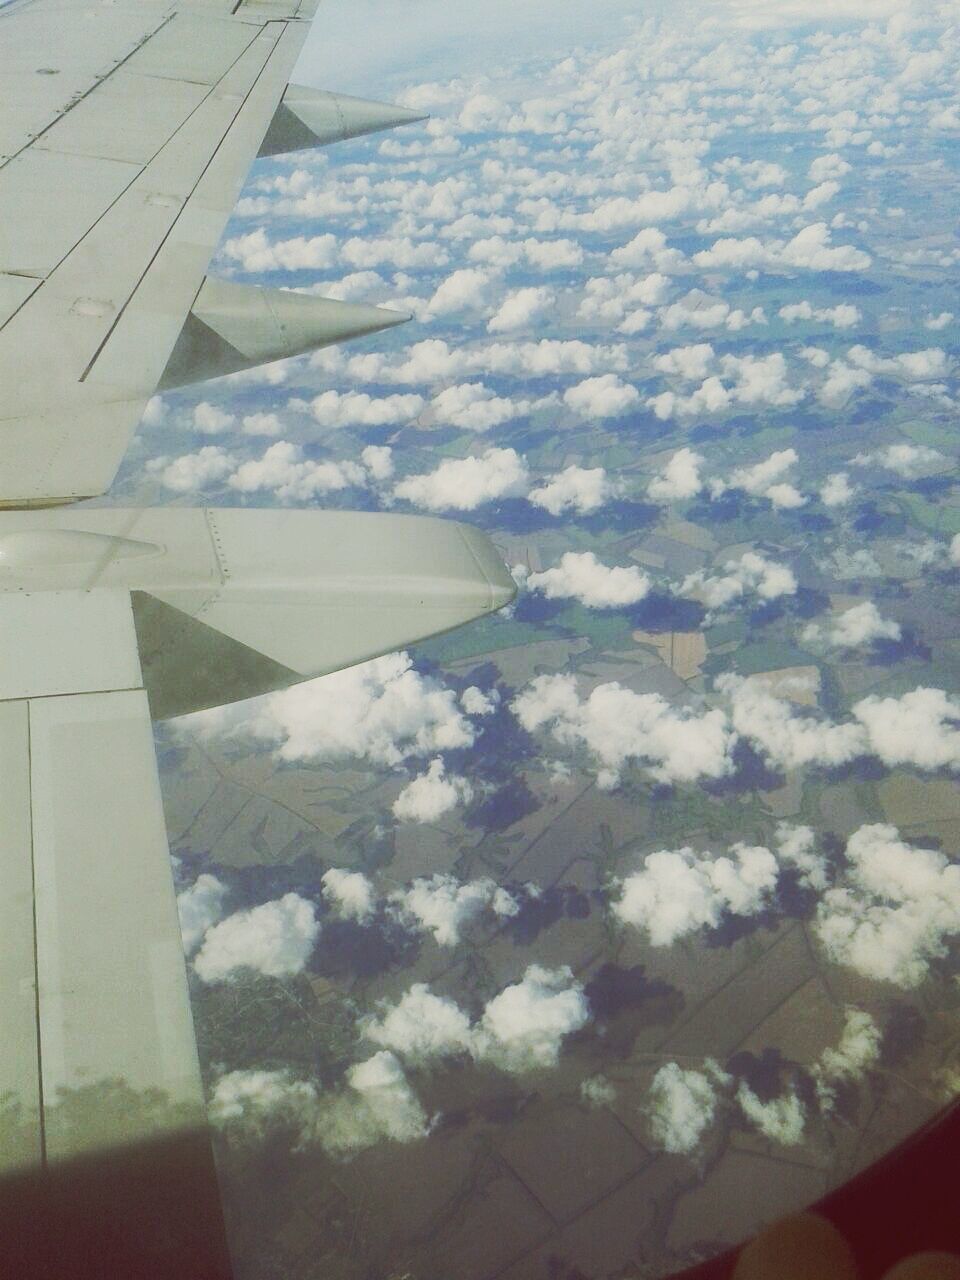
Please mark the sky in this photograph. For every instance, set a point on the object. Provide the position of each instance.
(407, 40)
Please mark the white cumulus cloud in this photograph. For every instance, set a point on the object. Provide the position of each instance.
(350, 892)
(678, 891)
(432, 794)
(275, 939)
(605, 396)
(463, 484)
(580, 489)
(383, 711)
(617, 726)
(894, 910)
(581, 576)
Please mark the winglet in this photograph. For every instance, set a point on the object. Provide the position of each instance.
(315, 118)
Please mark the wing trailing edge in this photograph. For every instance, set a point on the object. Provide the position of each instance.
(235, 326)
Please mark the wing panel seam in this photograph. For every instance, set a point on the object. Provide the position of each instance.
(122, 309)
(93, 88)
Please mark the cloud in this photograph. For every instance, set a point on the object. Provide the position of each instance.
(788, 740)
(210, 420)
(543, 255)
(155, 412)
(465, 289)
(853, 629)
(523, 1027)
(463, 484)
(840, 383)
(750, 380)
(199, 907)
(434, 361)
(648, 248)
(275, 939)
(939, 321)
(842, 316)
(912, 365)
(574, 489)
(397, 251)
(261, 424)
(357, 409)
(678, 891)
(699, 310)
(682, 1104)
(350, 892)
(907, 460)
(283, 470)
(678, 479)
(375, 1104)
(601, 397)
(254, 252)
(837, 491)
(382, 711)
(918, 728)
(810, 249)
(780, 1119)
(520, 308)
(441, 905)
(421, 1027)
(691, 362)
(761, 380)
(859, 1049)
(477, 703)
(617, 726)
(620, 300)
(193, 471)
(764, 480)
(432, 794)
(796, 846)
(378, 459)
(581, 576)
(828, 166)
(751, 575)
(893, 911)
(471, 406)
(597, 1091)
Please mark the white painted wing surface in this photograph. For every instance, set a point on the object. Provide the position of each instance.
(105, 1163)
(126, 131)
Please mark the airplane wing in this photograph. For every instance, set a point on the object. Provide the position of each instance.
(106, 616)
(126, 131)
